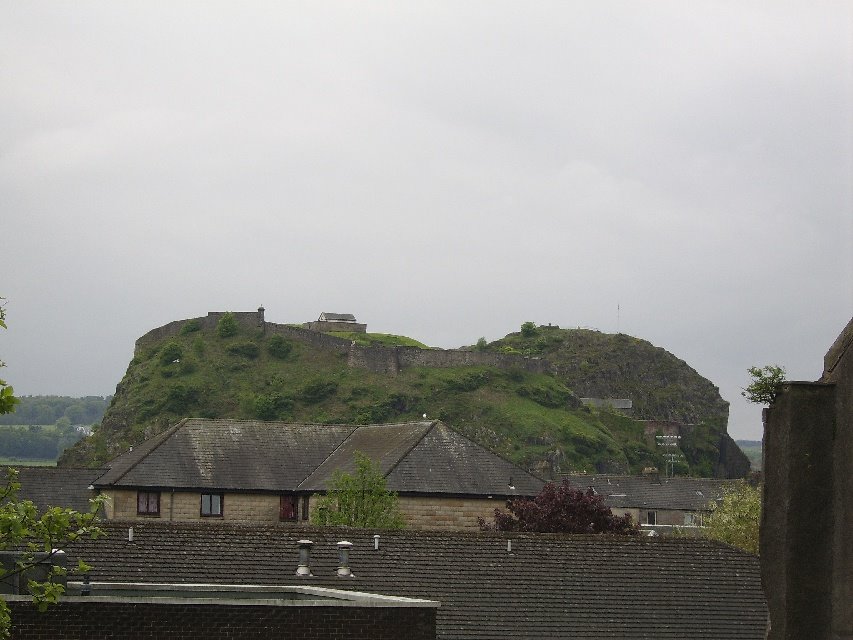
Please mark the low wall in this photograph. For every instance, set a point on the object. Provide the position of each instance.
(97, 619)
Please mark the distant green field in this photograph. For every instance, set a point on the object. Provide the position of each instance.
(752, 449)
(12, 462)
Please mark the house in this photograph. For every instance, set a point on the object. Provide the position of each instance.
(654, 502)
(327, 322)
(489, 585)
(273, 472)
(56, 486)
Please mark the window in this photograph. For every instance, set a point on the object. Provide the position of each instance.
(305, 505)
(148, 503)
(287, 508)
(693, 519)
(211, 505)
(651, 517)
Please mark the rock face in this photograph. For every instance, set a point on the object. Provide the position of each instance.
(517, 396)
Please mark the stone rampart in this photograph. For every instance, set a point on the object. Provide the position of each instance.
(349, 327)
(376, 358)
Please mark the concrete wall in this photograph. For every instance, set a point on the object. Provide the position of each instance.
(807, 516)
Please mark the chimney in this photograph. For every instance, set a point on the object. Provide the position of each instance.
(343, 557)
(304, 568)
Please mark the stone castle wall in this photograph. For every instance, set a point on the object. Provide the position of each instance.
(378, 359)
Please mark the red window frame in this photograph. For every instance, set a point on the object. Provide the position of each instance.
(288, 507)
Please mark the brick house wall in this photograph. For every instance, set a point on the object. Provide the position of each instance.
(419, 512)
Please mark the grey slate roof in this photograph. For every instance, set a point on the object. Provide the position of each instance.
(648, 492)
(417, 457)
(227, 454)
(549, 586)
(56, 486)
(336, 317)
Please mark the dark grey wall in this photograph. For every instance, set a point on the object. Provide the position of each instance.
(808, 504)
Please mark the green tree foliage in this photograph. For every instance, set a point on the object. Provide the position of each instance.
(279, 347)
(360, 500)
(560, 509)
(528, 329)
(245, 349)
(227, 325)
(170, 352)
(736, 518)
(765, 385)
(7, 393)
(47, 410)
(23, 529)
(482, 344)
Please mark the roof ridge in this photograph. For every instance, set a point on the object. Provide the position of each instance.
(165, 436)
(354, 428)
(409, 450)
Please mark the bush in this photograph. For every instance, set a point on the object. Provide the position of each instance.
(170, 352)
(191, 326)
(245, 349)
(482, 344)
(227, 325)
(528, 329)
(180, 397)
(272, 406)
(279, 347)
(553, 397)
(317, 391)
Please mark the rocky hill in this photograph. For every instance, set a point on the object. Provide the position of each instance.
(519, 396)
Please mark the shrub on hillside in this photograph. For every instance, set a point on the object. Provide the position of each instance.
(191, 326)
(245, 349)
(317, 391)
(279, 347)
(272, 406)
(170, 352)
(227, 325)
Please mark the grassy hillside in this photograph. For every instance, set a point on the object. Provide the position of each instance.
(535, 420)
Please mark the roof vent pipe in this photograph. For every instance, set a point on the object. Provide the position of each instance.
(304, 568)
(509, 545)
(130, 534)
(343, 558)
(376, 542)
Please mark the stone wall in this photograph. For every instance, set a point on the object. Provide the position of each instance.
(96, 619)
(349, 327)
(448, 514)
(379, 359)
(807, 515)
(419, 512)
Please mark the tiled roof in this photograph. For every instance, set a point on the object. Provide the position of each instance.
(385, 444)
(337, 317)
(445, 461)
(548, 586)
(227, 454)
(56, 486)
(651, 492)
(418, 457)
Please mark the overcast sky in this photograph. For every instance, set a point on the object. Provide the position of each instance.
(442, 170)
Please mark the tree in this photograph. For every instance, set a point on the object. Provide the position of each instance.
(482, 344)
(227, 325)
(765, 385)
(528, 329)
(736, 518)
(7, 394)
(360, 500)
(24, 530)
(561, 509)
